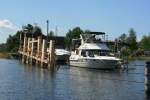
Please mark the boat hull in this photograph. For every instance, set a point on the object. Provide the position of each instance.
(98, 64)
(62, 57)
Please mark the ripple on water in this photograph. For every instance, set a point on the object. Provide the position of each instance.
(21, 82)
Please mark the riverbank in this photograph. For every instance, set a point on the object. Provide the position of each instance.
(4, 55)
(139, 58)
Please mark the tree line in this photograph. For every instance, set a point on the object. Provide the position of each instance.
(13, 41)
(134, 47)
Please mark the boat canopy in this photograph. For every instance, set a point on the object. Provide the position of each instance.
(62, 52)
(94, 46)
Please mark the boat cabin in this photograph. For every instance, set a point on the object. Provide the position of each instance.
(92, 50)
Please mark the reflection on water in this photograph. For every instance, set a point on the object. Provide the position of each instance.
(21, 82)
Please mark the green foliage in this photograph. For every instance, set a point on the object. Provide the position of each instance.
(125, 51)
(131, 40)
(145, 43)
(2, 47)
(87, 31)
(12, 44)
(32, 29)
(51, 34)
(123, 37)
(135, 49)
(28, 28)
(71, 34)
(13, 41)
(139, 52)
(37, 30)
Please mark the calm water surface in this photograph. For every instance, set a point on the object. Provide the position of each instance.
(21, 82)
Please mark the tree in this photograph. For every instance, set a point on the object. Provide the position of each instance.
(131, 40)
(12, 43)
(125, 51)
(87, 31)
(37, 30)
(30, 29)
(145, 43)
(74, 33)
(3, 47)
(123, 37)
(51, 34)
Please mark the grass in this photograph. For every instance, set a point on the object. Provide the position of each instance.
(140, 58)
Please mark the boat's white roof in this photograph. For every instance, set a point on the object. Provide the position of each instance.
(62, 52)
(94, 46)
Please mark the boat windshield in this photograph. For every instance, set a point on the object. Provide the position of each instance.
(87, 53)
(101, 53)
(93, 53)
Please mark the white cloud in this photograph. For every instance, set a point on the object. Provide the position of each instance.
(6, 24)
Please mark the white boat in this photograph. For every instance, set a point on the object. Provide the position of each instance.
(62, 54)
(93, 55)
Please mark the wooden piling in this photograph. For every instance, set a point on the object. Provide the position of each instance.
(147, 77)
(35, 49)
(51, 55)
(24, 48)
(43, 53)
(28, 53)
(32, 47)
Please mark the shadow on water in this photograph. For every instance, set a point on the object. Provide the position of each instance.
(147, 96)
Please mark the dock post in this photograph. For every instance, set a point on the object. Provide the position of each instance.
(32, 50)
(28, 54)
(24, 48)
(38, 49)
(51, 58)
(147, 77)
(49, 54)
(43, 53)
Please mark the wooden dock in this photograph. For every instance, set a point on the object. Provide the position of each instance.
(38, 50)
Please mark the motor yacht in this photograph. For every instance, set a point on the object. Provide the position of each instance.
(93, 54)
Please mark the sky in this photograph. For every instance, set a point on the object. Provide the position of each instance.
(113, 17)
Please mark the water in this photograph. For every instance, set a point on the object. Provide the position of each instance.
(21, 82)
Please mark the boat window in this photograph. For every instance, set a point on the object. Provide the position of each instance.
(104, 53)
(97, 53)
(100, 53)
(83, 53)
(90, 54)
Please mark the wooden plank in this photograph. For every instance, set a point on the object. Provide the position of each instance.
(33, 41)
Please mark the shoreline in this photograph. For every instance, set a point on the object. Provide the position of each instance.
(4, 55)
(140, 58)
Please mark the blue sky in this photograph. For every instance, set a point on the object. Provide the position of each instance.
(111, 16)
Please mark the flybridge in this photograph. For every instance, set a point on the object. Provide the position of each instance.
(91, 37)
